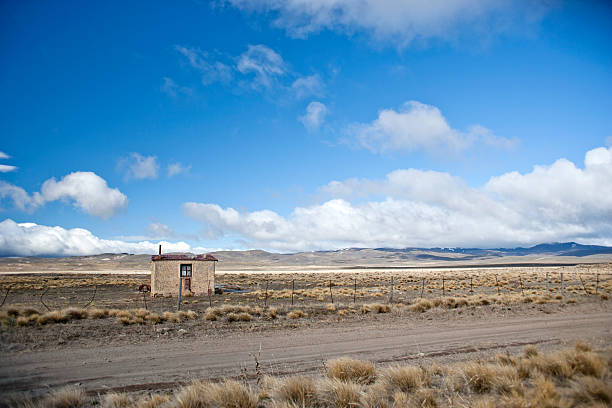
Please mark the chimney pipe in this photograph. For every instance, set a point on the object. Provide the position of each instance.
(160, 249)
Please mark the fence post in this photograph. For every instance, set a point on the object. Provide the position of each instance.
(331, 295)
(547, 286)
(209, 295)
(355, 291)
(471, 285)
(391, 291)
(292, 290)
(497, 284)
(266, 300)
(562, 285)
(597, 284)
(422, 288)
(521, 280)
(443, 291)
(583, 286)
(178, 304)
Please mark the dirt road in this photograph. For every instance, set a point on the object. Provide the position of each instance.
(163, 364)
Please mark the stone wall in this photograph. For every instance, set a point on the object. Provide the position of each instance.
(165, 277)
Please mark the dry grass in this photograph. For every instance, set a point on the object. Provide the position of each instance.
(375, 308)
(296, 314)
(583, 380)
(229, 394)
(29, 316)
(347, 369)
(67, 397)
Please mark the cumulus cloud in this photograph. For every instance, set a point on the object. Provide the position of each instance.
(418, 126)
(29, 239)
(314, 116)
(86, 190)
(4, 156)
(559, 202)
(264, 63)
(177, 168)
(139, 167)
(399, 22)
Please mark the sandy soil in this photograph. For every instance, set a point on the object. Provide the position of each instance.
(167, 356)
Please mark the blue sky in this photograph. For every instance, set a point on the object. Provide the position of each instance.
(267, 124)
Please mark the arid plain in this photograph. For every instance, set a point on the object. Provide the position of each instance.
(81, 321)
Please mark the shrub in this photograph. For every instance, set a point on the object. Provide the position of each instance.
(97, 313)
(67, 397)
(296, 314)
(75, 314)
(117, 400)
(27, 320)
(297, 391)
(334, 393)
(405, 378)
(347, 369)
(55, 316)
(228, 394)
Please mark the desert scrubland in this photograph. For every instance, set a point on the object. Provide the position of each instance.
(427, 337)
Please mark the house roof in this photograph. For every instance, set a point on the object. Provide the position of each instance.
(177, 257)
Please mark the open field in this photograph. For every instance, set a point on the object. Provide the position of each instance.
(112, 337)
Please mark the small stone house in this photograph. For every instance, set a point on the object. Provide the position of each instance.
(197, 273)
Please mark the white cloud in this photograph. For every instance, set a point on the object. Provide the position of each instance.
(86, 190)
(159, 230)
(560, 202)
(212, 71)
(5, 168)
(173, 89)
(306, 86)
(418, 126)
(177, 168)
(396, 21)
(264, 63)
(29, 239)
(4, 156)
(140, 167)
(314, 116)
(258, 68)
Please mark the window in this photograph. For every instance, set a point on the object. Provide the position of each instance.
(186, 271)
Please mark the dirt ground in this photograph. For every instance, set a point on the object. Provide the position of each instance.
(162, 359)
(102, 354)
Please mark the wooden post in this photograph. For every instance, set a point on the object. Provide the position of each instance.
(547, 286)
(583, 286)
(471, 285)
(355, 291)
(497, 285)
(422, 288)
(266, 300)
(178, 305)
(391, 291)
(443, 291)
(209, 295)
(292, 290)
(597, 284)
(331, 295)
(562, 285)
(521, 280)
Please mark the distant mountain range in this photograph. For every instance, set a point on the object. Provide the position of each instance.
(566, 253)
(556, 249)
